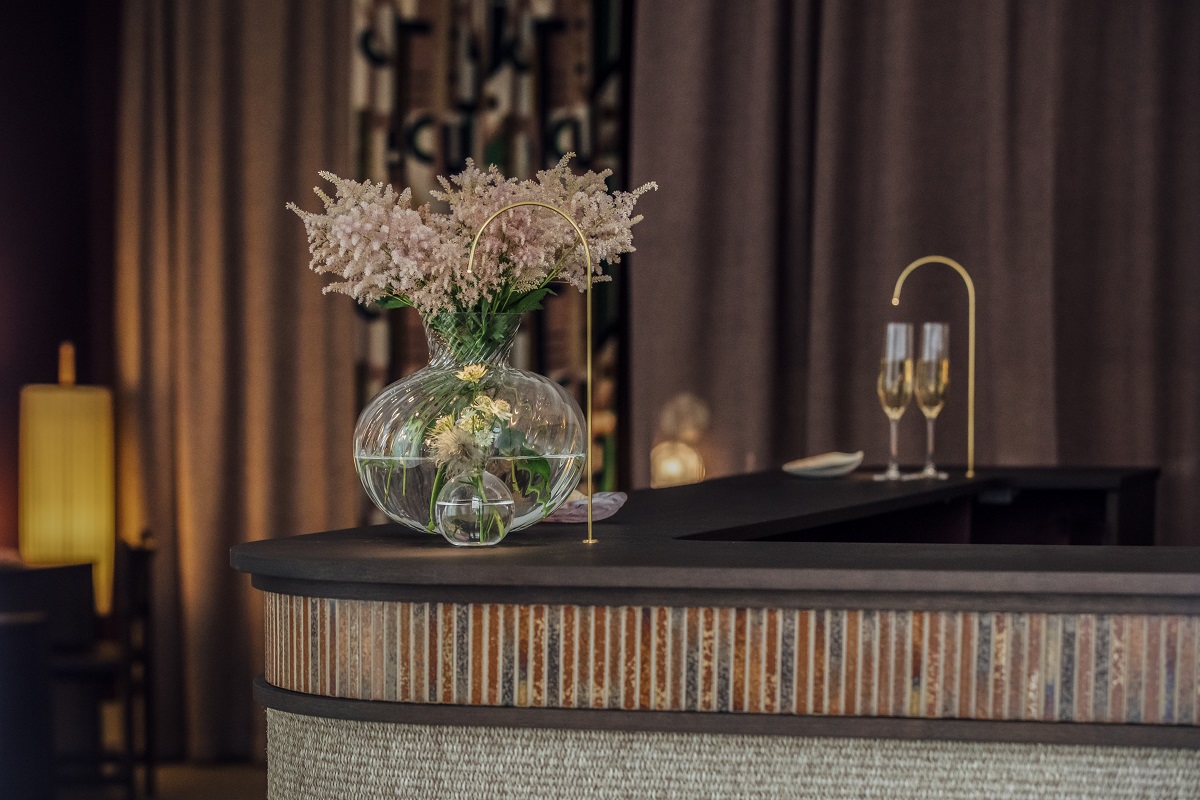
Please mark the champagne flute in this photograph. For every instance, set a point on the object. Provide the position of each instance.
(933, 378)
(895, 386)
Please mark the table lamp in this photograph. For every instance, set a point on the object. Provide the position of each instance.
(66, 497)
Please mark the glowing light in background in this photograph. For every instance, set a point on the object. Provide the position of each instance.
(66, 497)
(675, 461)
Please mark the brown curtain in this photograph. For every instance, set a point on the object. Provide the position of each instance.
(235, 376)
(808, 151)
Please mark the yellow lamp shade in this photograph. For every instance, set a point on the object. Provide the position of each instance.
(675, 463)
(67, 501)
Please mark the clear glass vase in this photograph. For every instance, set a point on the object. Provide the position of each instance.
(534, 449)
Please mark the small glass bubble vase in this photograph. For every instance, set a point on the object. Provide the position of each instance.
(526, 432)
(474, 510)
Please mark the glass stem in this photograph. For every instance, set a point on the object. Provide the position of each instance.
(893, 469)
(929, 468)
(486, 524)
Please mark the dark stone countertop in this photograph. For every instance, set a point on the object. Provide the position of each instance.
(692, 544)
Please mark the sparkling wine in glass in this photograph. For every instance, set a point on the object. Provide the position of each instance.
(933, 378)
(895, 387)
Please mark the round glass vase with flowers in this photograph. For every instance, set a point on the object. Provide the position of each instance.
(469, 446)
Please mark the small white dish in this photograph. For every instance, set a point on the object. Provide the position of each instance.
(826, 465)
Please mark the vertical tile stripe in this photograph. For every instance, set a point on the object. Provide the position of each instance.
(738, 687)
(867, 660)
(901, 665)
(1117, 668)
(819, 660)
(508, 654)
(661, 665)
(1186, 680)
(932, 671)
(538, 650)
(630, 649)
(1100, 673)
(883, 680)
(478, 648)
(570, 636)
(951, 634)
(1085, 667)
(1170, 668)
(646, 658)
(772, 637)
(724, 656)
(462, 640)
(983, 666)
(695, 644)
(1136, 666)
(754, 660)
(522, 645)
(404, 656)
(1018, 646)
(554, 656)
(1051, 658)
(803, 690)
(677, 653)
(999, 669)
(1152, 703)
(599, 657)
(916, 646)
(1066, 671)
(850, 657)
(834, 677)
(616, 667)
(966, 664)
(707, 699)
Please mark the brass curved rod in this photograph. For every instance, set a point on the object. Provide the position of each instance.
(587, 252)
(971, 342)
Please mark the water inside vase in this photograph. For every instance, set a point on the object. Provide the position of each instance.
(403, 486)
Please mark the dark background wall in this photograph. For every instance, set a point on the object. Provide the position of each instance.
(57, 112)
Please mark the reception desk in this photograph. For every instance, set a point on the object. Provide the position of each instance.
(758, 636)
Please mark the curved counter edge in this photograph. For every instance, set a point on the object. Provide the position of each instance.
(917, 600)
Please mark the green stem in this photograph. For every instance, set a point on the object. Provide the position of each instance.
(485, 528)
(438, 480)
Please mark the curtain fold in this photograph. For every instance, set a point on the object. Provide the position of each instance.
(807, 152)
(236, 385)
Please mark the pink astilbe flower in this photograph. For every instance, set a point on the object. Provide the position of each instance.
(386, 252)
(370, 237)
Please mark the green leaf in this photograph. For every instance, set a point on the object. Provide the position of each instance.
(538, 469)
(394, 301)
(510, 441)
(530, 301)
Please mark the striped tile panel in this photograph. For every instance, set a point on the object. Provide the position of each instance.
(966, 665)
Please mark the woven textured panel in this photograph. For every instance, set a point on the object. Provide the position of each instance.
(312, 758)
(964, 665)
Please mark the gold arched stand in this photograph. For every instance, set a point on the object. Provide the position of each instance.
(588, 340)
(971, 342)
